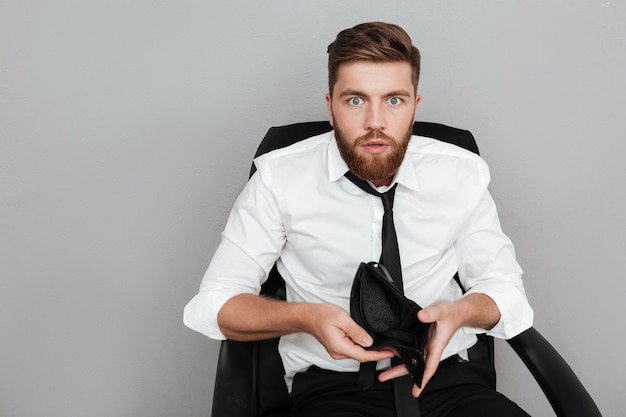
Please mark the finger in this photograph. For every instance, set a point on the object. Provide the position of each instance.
(428, 374)
(358, 334)
(429, 371)
(400, 371)
(436, 312)
(424, 316)
(430, 314)
(431, 364)
(347, 348)
(416, 391)
(374, 355)
(395, 372)
(363, 355)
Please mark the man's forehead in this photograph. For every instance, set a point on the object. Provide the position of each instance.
(374, 78)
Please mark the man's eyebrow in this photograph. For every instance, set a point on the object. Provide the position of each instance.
(350, 92)
(405, 93)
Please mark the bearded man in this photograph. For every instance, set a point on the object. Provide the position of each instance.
(300, 211)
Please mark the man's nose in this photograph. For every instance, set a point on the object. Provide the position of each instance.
(374, 119)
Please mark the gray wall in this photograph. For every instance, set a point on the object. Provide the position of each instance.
(127, 129)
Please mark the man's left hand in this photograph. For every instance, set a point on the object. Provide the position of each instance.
(474, 310)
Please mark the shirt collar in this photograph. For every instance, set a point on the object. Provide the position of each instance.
(337, 167)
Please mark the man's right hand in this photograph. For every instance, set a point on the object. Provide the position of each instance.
(341, 336)
(247, 317)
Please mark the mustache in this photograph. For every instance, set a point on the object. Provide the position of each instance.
(373, 134)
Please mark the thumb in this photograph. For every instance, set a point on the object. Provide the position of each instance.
(359, 335)
(429, 314)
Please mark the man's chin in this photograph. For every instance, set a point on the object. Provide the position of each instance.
(372, 172)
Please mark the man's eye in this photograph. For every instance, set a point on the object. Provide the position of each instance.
(394, 101)
(355, 101)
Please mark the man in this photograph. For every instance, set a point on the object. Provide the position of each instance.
(300, 211)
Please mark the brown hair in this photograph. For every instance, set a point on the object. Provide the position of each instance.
(374, 42)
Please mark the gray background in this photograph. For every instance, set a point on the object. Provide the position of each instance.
(127, 129)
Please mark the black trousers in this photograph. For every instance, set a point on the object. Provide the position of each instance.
(459, 389)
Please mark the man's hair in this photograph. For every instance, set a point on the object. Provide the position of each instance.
(374, 42)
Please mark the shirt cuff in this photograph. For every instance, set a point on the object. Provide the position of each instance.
(516, 315)
(200, 314)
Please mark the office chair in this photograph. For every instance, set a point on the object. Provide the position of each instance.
(249, 380)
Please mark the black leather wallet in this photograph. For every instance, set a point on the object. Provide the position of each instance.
(389, 317)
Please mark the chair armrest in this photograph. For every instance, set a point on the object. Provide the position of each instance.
(235, 375)
(561, 386)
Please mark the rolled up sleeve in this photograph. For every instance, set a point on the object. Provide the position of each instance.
(487, 265)
(251, 243)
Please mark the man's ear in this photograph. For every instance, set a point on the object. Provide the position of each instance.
(329, 109)
(418, 98)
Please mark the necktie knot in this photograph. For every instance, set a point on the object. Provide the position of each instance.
(387, 198)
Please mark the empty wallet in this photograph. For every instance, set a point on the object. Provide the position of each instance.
(378, 306)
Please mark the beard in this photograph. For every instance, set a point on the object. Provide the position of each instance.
(374, 168)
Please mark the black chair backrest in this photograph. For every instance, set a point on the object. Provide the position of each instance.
(271, 393)
(282, 136)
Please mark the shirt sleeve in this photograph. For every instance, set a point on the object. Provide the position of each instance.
(487, 265)
(251, 243)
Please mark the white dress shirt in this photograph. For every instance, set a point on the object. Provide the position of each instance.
(300, 212)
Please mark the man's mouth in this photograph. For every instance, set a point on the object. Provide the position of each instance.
(375, 146)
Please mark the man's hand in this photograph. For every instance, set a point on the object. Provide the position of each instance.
(474, 310)
(341, 336)
(248, 317)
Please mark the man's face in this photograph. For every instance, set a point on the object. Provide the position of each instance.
(372, 111)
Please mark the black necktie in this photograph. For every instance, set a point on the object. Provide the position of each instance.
(390, 255)
(406, 405)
